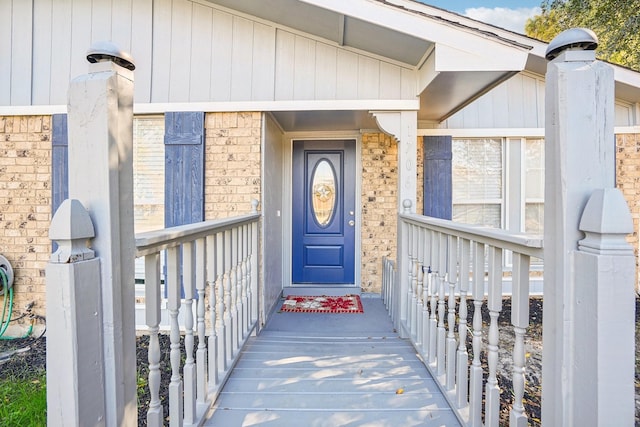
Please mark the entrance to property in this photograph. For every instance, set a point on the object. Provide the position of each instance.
(323, 217)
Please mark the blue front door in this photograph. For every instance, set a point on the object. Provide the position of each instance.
(323, 212)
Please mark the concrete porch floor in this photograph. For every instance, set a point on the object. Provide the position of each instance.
(331, 370)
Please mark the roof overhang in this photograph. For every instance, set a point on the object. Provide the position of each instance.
(456, 59)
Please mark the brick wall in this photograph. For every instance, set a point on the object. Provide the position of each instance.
(232, 163)
(628, 181)
(379, 206)
(25, 206)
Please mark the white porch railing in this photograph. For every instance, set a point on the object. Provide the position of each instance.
(447, 263)
(214, 263)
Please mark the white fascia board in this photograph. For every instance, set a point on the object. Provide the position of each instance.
(266, 106)
(211, 107)
(485, 132)
(407, 20)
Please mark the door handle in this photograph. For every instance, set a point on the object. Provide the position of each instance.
(352, 223)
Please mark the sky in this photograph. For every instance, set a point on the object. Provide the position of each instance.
(508, 14)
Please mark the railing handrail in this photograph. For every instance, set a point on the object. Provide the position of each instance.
(527, 244)
(154, 241)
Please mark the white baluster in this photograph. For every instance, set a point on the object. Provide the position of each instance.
(426, 245)
(452, 265)
(222, 312)
(462, 374)
(520, 322)
(226, 280)
(173, 305)
(254, 271)
(213, 301)
(492, 392)
(189, 369)
(442, 332)
(201, 352)
(233, 274)
(420, 286)
(244, 269)
(411, 288)
(475, 380)
(155, 414)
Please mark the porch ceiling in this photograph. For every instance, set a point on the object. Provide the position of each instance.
(312, 121)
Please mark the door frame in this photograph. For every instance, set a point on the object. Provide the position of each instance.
(287, 208)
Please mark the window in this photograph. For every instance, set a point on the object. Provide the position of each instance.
(499, 182)
(148, 173)
(478, 181)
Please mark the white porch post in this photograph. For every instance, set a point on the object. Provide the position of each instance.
(402, 125)
(100, 123)
(580, 158)
(75, 372)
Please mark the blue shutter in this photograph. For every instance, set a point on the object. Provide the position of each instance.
(437, 200)
(184, 168)
(59, 161)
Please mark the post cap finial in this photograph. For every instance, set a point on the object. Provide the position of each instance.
(582, 38)
(109, 51)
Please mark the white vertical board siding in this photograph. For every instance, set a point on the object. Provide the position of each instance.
(101, 17)
(42, 51)
(285, 70)
(305, 68)
(347, 75)
(80, 37)
(263, 64)
(181, 40)
(5, 51)
(161, 51)
(326, 76)
(61, 51)
(221, 58)
(184, 51)
(516, 103)
(201, 51)
(21, 52)
(141, 40)
(241, 59)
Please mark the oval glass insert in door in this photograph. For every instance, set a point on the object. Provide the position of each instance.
(323, 193)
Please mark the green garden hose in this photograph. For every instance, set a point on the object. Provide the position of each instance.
(8, 302)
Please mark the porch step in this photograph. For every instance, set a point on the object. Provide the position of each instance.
(323, 376)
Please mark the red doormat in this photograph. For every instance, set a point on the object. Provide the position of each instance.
(322, 304)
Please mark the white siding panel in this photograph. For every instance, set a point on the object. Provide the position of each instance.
(347, 75)
(390, 81)
(263, 67)
(285, 48)
(326, 71)
(540, 87)
(515, 101)
(368, 77)
(305, 68)
(5, 51)
(121, 22)
(529, 102)
(221, 59)
(141, 42)
(61, 45)
(161, 51)
(180, 51)
(80, 38)
(470, 118)
(500, 107)
(41, 73)
(101, 16)
(485, 111)
(21, 53)
(241, 59)
(408, 85)
(202, 34)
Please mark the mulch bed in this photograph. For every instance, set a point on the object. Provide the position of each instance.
(31, 355)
